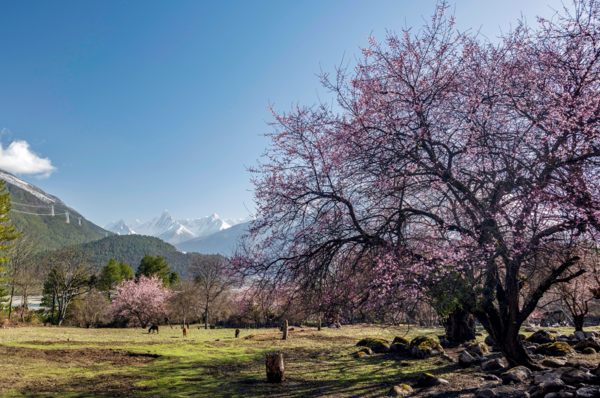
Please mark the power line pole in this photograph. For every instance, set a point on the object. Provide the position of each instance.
(52, 210)
(67, 214)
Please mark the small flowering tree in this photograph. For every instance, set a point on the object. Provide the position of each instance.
(143, 301)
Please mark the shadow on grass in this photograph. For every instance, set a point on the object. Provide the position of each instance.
(311, 372)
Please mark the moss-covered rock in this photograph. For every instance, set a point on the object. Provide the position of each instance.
(405, 363)
(366, 350)
(556, 349)
(399, 344)
(400, 390)
(401, 340)
(588, 351)
(425, 347)
(478, 348)
(427, 379)
(375, 344)
(589, 342)
(360, 354)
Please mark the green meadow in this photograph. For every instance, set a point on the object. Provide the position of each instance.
(74, 362)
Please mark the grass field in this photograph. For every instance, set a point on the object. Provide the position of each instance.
(72, 362)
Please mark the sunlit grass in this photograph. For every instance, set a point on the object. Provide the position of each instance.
(208, 363)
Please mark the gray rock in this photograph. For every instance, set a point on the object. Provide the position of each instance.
(588, 342)
(486, 393)
(465, 359)
(551, 386)
(493, 364)
(489, 341)
(553, 363)
(446, 357)
(541, 337)
(590, 334)
(551, 395)
(579, 335)
(566, 394)
(517, 375)
(490, 384)
(491, 377)
(573, 376)
(587, 393)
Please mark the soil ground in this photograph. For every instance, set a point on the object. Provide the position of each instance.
(72, 362)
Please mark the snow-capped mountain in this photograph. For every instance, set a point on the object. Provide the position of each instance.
(175, 231)
(32, 189)
(119, 228)
(222, 242)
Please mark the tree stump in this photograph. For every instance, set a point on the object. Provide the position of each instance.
(319, 325)
(275, 368)
(285, 330)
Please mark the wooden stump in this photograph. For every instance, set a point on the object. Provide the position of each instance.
(319, 325)
(275, 368)
(285, 330)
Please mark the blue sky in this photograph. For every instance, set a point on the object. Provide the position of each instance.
(142, 106)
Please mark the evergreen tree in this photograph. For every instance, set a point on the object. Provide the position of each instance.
(114, 273)
(174, 278)
(8, 234)
(126, 271)
(110, 276)
(156, 266)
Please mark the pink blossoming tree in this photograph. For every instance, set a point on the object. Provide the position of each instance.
(143, 301)
(444, 154)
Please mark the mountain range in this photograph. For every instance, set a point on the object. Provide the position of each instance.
(53, 224)
(178, 232)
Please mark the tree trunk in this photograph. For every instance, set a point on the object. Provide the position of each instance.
(275, 367)
(506, 337)
(53, 308)
(460, 326)
(12, 293)
(578, 321)
(285, 331)
(319, 324)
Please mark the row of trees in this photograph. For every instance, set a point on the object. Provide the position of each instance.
(451, 169)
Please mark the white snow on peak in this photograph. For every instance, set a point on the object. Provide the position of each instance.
(175, 231)
(119, 228)
(32, 189)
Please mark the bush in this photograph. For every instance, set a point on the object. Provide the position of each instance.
(91, 311)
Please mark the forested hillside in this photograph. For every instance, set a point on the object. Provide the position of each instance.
(50, 232)
(131, 249)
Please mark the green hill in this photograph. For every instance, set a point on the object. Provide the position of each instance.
(131, 249)
(51, 232)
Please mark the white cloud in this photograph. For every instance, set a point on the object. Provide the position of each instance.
(18, 158)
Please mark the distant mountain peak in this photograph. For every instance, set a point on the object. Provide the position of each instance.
(175, 231)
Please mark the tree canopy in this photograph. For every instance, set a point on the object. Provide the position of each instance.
(445, 156)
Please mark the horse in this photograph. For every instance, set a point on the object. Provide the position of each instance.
(153, 328)
(237, 333)
(185, 330)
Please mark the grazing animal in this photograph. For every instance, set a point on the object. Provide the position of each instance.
(237, 333)
(153, 328)
(185, 330)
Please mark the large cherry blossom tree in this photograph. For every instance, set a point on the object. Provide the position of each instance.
(445, 154)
